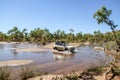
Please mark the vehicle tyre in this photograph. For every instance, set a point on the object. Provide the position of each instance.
(66, 49)
(55, 48)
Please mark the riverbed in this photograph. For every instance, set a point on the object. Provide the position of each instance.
(48, 61)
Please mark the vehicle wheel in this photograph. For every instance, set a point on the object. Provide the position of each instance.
(55, 48)
(66, 49)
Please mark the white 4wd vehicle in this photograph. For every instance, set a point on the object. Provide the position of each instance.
(62, 46)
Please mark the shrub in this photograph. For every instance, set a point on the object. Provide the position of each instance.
(111, 45)
(97, 70)
(28, 72)
(4, 73)
(72, 76)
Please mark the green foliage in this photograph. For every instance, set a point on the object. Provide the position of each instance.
(97, 70)
(98, 36)
(4, 73)
(43, 36)
(103, 16)
(72, 76)
(26, 73)
(3, 36)
(43, 42)
(16, 35)
(111, 45)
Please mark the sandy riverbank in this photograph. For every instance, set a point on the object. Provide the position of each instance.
(3, 42)
(46, 77)
(51, 77)
(15, 62)
(31, 50)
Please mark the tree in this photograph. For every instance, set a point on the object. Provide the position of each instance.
(71, 30)
(59, 35)
(103, 16)
(36, 35)
(70, 36)
(3, 36)
(98, 36)
(79, 36)
(16, 35)
(13, 34)
(87, 37)
(24, 34)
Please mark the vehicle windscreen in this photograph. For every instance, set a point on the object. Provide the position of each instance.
(61, 43)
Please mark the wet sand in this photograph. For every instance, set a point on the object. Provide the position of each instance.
(3, 42)
(31, 50)
(15, 62)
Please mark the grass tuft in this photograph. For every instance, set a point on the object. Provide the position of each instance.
(97, 70)
(28, 72)
(4, 73)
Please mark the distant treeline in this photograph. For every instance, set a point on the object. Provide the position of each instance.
(43, 36)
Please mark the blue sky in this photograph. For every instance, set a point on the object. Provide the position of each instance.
(56, 14)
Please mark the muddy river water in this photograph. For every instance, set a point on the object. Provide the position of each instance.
(85, 57)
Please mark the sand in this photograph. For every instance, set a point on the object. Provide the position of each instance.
(46, 77)
(3, 42)
(15, 62)
(31, 50)
(51, 76)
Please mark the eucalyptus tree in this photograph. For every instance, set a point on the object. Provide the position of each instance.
(103, 16)
(24, 34)
(56, 35)
(36, 35)
(59, 35)
(109, 37)
(71, 36)
(71, 30)
(46, 36)
(63, 35)
(14, 34)
(98, 36)
(3, 36)
(118, 34)
(79, 36)
(87, 37)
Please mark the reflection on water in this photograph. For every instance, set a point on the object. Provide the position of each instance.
(85, 54)
(60, 56)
